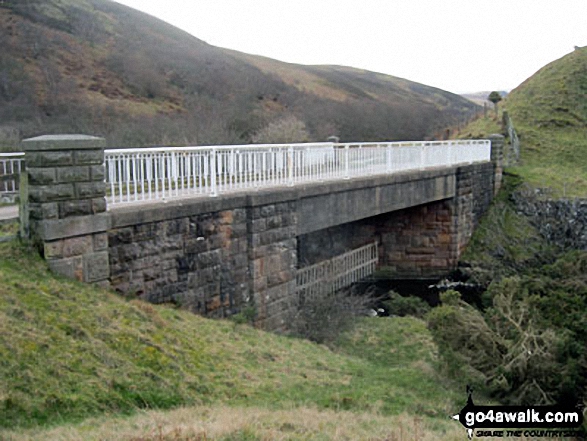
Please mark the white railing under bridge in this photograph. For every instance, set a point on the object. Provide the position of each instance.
(340, 272)
(134, 175)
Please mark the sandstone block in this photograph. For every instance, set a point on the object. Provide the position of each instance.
(41, 176)
(90, 190)
(96, 267)
(88, 157)
(49, 158)
(76, 246)
(72, 174)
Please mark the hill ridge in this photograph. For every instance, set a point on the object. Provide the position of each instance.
(101, 67)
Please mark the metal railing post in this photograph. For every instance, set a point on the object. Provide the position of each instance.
(290, 166)
(346, 162)
(213, 183)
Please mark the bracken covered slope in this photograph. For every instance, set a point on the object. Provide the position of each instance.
(95, 66)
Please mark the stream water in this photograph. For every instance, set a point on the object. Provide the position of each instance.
(427, 289)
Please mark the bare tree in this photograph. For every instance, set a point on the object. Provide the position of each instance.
(288, 129)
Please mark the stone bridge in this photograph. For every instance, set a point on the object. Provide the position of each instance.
(216, 255)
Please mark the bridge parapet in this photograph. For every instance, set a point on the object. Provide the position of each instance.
(150, 174)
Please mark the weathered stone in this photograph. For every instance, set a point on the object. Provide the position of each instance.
(258, 225)
(89, 157)
(40, 211)
(216, 254)
(267, 210)
(76, 246)
(98, 205)
(41, 176)
(53, 250)
(90, 190)
(51, 193)
(100, 242)
(96, 267)
(75, 208)
(49, 159)
(72, 174)
(71, 267)
(97, 173)
(74, 226)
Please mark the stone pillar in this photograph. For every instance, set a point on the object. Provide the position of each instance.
(63, 204)
(272, 249)
(497, 146)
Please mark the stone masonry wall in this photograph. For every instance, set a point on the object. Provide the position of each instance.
(475, 187)
(419, 242)
(273, 261)
(199, 261)
(212, 261)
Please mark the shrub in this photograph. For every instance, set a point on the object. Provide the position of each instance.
(402, 306)
(323, 318)
(507, 350)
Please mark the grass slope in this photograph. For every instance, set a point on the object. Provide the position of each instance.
(70, 351)
(549, 111)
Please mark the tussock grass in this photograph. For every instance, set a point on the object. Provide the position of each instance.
(252, 423)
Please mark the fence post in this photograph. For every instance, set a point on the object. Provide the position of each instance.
(63, 205)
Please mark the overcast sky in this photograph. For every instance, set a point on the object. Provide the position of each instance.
(456, 45)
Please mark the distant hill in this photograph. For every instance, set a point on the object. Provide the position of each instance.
(95, 66)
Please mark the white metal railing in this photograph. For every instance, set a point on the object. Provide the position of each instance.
(11, 164)
(134, 175)
(327, 277)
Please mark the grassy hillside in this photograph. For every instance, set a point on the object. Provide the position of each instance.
(550, 112)
(70, 351)
(95, 66)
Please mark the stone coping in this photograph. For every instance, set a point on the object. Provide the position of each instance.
(145, 212)
(62, 142)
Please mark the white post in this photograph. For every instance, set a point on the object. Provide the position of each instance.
(346, 162)
(290, 165)
(213, 189)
